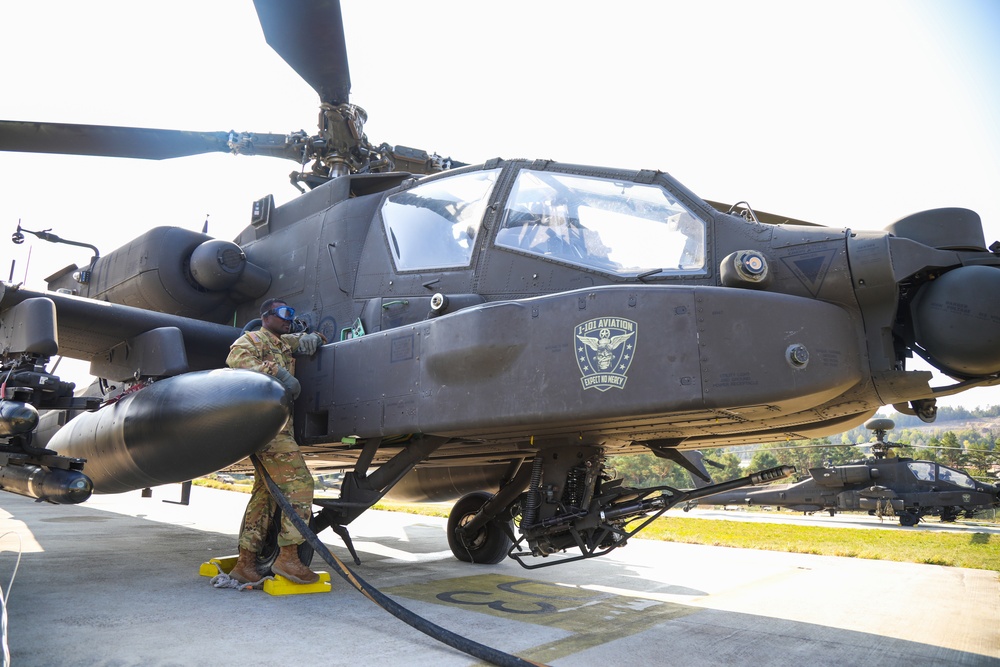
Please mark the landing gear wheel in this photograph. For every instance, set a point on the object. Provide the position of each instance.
(489, 545)
(269, 550)
(907, 519)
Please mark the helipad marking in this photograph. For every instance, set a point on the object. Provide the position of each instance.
(583, 612)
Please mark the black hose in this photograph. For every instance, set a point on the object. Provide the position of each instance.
(430, 629)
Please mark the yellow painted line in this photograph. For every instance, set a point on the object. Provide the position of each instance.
(592, 617)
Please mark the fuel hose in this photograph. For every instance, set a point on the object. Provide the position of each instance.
(463, 644)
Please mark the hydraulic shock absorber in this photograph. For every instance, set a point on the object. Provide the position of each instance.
(575, 488)
(533, 500)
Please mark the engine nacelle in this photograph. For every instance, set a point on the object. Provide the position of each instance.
(172, 270)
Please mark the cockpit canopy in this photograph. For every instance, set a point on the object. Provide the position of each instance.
(927, 471)
(613, 226)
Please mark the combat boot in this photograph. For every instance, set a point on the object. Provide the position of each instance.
(290, 567)
(245, 570)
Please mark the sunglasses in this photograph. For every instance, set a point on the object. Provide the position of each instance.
(284, 312)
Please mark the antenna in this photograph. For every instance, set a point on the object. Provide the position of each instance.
(47, 235)
(27, 265)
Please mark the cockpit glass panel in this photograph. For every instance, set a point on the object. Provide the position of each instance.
(956, 477)
(610, 225)
(923, 470)
(435, 225)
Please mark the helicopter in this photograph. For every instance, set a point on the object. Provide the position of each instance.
(882, 485)
(496, 330)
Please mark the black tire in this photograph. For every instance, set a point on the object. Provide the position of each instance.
(489, 546)
(907, 519)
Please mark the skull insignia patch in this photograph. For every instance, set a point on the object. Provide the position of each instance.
(604, 350)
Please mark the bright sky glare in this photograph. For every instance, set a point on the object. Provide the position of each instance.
(850, 114)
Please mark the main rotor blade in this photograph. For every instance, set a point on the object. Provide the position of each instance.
(309, 36)
(108, 140)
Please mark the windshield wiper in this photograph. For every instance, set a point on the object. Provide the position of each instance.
(647, 274)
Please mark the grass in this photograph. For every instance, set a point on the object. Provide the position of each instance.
(225, 486)
(423, 509)
(979, 551)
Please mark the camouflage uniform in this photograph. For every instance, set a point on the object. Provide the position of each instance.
(265, 352)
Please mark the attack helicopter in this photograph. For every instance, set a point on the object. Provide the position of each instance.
(882, 485)
(495, 330)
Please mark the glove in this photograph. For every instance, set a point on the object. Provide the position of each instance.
(309, 343)
(289, 382)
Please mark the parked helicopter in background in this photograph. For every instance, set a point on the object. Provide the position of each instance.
(496, 330)
(882, 485)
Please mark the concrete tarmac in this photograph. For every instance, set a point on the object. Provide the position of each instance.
(115, 582)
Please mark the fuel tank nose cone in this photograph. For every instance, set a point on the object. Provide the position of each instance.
(176, 429)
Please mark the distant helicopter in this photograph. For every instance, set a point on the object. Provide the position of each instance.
(496, 330)
(884, 486)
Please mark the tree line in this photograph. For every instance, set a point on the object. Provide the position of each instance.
(976, 451)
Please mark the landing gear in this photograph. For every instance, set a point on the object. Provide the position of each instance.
(908, 519)
(564, 499)
(489, 545)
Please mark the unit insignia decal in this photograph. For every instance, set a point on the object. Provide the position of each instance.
(604, 350)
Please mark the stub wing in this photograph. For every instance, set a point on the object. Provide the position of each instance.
(120, 341)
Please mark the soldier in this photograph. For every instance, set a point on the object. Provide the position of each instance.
(270, 351)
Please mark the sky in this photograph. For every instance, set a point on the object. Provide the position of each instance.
(850, 114)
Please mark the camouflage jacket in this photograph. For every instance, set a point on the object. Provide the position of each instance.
(264, 352)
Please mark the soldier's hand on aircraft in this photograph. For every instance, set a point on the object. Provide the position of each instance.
(309, 343)
(289, 381)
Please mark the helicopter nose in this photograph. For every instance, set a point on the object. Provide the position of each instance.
(956, 319)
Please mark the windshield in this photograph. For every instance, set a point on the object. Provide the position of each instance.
(956, 477)
(435, 225)
(923, 470)
(613, 226)
(927, 471)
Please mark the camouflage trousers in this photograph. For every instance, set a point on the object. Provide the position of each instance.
(284, 463)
